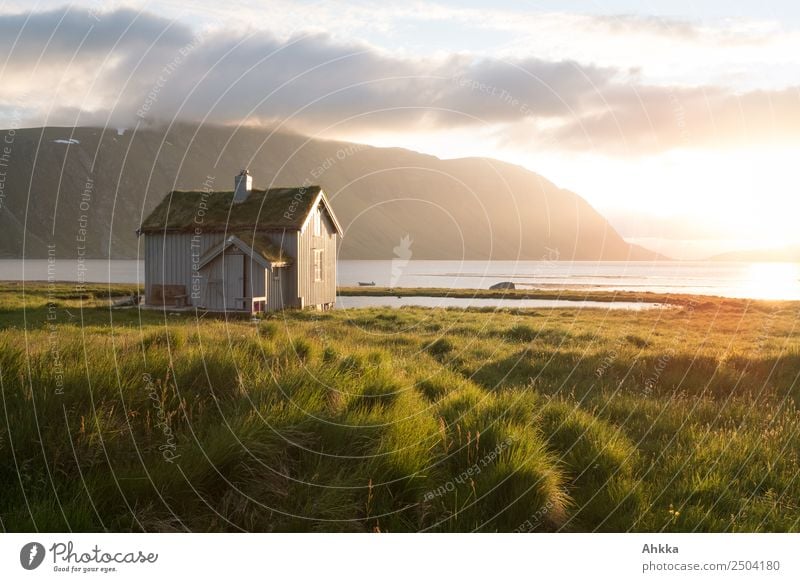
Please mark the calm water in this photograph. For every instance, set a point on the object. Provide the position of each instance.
(754, 280)
(90, 271)
(749, 280)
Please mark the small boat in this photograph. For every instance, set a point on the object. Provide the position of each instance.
(363, 284)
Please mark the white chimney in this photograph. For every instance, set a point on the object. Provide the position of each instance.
(243, 184)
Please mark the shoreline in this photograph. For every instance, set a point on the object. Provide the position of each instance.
(108, 290)
(672, 299)
(602, 281)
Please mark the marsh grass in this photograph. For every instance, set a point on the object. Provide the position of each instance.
(397, 420)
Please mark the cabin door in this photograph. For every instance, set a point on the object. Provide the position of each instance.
(234, 280)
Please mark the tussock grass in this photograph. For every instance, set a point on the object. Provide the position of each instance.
(398, 420)
(439, 348)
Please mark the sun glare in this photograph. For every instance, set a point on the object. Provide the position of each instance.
(772, 281)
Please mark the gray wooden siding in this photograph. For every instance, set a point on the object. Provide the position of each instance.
(254, 279)
(287, 240)
(316, 292)
(234, 288)
(276, 281)
(212, 296)
(223, 282)
(169, 258)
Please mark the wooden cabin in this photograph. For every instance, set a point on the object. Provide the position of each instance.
(241, 250)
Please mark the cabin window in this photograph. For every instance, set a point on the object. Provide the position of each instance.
(276, 274)
(318, 265)
(317, 222)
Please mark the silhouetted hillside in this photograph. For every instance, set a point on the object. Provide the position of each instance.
(65, 184)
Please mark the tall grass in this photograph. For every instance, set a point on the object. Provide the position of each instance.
(406, 420)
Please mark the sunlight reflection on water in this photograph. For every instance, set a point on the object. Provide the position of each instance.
(772, 281)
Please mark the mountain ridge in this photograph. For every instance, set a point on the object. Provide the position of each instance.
(472, 208)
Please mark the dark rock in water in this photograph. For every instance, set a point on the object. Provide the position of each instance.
(132, 300)
(503, 285)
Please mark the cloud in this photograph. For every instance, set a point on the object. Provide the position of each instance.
(647, 119)
(60, 34)
(133, 63)
(635, 23)
(74, 66)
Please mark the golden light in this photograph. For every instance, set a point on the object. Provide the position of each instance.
(772, 281)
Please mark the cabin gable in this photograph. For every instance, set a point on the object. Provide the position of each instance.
(242, 264)
(317, 245)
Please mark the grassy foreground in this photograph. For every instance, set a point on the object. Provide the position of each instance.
(682, 419)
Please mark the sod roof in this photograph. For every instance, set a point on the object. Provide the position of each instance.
(276, 208)
(263, 246)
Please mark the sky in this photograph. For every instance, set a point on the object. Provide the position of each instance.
(679, 120)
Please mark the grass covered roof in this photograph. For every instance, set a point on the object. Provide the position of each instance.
(264, 247)
(278, 208)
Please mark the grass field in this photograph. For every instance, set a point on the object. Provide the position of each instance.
(681, 419)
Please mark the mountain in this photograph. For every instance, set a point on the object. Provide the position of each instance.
(84, 191)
